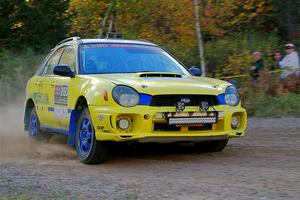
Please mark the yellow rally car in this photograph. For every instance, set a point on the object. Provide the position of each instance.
(100, 90)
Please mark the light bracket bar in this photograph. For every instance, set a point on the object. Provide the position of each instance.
(192, 120)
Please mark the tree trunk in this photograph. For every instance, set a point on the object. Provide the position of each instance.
(199, 37)
(111, 24)
(104, 22)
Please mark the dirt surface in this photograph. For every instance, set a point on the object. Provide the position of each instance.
(263, 165)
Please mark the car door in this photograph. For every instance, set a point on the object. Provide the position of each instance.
(60, 96)
(46, 88)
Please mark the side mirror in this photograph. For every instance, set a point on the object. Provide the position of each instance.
(63, 70)
(195, 71)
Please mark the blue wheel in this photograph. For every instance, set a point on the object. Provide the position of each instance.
(85, 137)
(34, 131)
(89, 150)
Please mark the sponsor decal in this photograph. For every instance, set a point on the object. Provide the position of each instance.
(61, 113)
(51, 109)
(101, 117)
(61, 95)
(89, 46)
(102, 129)
(40, 98)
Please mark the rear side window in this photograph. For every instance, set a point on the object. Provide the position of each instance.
(52, 62)
(68, 58)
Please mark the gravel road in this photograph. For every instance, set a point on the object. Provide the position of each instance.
(263, 165)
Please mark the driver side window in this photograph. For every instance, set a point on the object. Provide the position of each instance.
(52, 62)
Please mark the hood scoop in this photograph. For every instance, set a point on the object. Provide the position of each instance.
(160, 75)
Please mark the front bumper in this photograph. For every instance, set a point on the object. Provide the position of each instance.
(147, 127)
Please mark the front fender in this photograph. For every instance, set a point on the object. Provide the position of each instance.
(97, 92)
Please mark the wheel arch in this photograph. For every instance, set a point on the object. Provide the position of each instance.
(81, 103)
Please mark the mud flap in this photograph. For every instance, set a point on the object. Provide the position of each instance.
(72, 127)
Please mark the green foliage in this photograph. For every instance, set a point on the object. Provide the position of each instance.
(270, 96)
(15, 70)
(86, 17)
(171, 26)
(275, 106)
(261, 105)
(234, 53)
(287, 18)
(32, 23)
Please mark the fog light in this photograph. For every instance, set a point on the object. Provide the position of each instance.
(159, 115)
(123, 123)
(221, 114)
(234, 122)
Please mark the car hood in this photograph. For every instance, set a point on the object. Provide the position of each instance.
(166, 83)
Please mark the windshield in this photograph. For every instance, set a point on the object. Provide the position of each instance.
(126, 58)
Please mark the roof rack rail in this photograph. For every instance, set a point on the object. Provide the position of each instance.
(114, 35)
(69, 39)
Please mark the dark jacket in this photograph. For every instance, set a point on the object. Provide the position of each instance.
(259, 64)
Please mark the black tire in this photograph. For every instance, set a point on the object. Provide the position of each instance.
(211, 146)
(34, 130)
(97, 151)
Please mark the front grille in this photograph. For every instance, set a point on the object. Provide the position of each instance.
(171, 100)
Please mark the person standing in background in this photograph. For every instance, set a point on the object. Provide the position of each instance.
(277, 58)
(291, 60)
(258, 65)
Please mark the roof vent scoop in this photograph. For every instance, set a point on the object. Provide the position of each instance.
(148, 75)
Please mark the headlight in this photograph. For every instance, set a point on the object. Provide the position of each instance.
(232, 96)
(125, 96)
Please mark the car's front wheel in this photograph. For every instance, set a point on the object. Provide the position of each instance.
(89, 150)
(212, 146)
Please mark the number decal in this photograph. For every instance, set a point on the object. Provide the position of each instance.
(61, 95)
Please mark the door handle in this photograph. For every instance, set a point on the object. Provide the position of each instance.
(52, 84)
(37, 83)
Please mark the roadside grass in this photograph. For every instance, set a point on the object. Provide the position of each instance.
(269, 96)
(264, 106)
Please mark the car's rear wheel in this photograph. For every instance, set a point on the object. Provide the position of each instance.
(212, 146)
(89, 150)
(34, 130)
